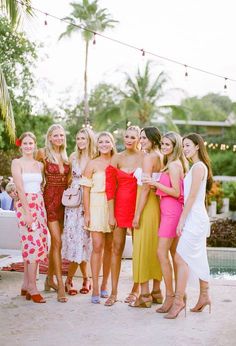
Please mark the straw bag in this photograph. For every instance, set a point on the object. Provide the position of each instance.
(72, 197)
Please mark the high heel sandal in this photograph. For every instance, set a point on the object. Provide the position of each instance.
(95, 299)
(111, 300)
(132, 297)
(141, 303)
(69, 288)
(199, 307)
(48, 286)
(36, 298)
(86, 286)
(23, 292)
(104, 294)
(157, 297)
(178, 305)
(61, 298)
(169, 299)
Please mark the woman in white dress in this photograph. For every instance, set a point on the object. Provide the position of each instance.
(193, 227)
(76, 242)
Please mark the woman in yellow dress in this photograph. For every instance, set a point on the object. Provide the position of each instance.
(96, 213)
(146, 265)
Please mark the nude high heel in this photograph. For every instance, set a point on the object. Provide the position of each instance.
(47, 286)
(178, 305)
(169, 299)
(203, 301)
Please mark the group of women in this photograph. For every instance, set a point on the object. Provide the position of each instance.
(146, 188)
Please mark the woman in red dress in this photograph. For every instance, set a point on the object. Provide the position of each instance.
(121, 191)
(56, 170)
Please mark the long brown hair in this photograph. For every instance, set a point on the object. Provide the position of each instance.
(203, 156)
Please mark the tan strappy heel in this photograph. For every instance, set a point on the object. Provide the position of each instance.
(178, 305)
(169, 299)
(203, 301)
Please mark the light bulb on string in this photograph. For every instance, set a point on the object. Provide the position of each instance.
(186, 71)
(225, 86)
(45, 20)
(94, 38)
(142, 51)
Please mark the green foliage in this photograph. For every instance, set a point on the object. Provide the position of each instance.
(17, 58)
(212, 107)
(15, 11)
(223, 162)
(229, 188)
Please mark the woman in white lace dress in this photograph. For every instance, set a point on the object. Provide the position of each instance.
(76, 242)
(193, 227)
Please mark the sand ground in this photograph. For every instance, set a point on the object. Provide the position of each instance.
(79, 322)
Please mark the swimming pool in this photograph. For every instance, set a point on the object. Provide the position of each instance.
(222, 262)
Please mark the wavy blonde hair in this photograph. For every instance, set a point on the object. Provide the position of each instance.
(49, 151)
(138, 131)
(91, 149)
(108, 134)
(178, 154)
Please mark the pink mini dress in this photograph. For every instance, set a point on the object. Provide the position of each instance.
(171, 208)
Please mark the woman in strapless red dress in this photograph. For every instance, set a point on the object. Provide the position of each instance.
(56, 170)
(121, 191)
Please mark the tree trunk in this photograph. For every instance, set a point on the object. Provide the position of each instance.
(86, 105)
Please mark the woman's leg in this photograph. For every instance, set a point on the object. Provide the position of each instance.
(118, 244)
(204, 298)
(32, 274)
(172, 252)
(182, 277)
(25, 283)
(56, 244)
(106, 260)
(86, 286)
(69, 284)
(98, 241)
(164, 246)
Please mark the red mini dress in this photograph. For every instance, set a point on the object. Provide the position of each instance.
(122, 187)
(56, 183)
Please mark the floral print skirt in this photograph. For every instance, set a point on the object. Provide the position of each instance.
(33, 241)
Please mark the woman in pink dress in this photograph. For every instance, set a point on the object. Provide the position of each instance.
(31, 214)
(170, 189)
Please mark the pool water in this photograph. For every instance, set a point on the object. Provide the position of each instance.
(224, 273)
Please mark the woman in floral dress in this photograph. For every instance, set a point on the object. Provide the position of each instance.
(76, 242)
(31, 214)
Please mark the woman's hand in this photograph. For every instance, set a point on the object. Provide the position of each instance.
(29, 219)
(180, 227)
(135, 222)
(86, 220)
(112, 222)
(150, 181)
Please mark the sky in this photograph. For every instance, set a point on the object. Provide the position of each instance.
(200, 33)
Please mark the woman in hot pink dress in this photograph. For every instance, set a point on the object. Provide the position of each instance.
(170, 189)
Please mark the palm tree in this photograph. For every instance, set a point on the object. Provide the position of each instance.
(6, 112)
(14, 11)
(93, 19)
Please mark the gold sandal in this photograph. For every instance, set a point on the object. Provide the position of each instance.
(141, 303)
(132, 297)
(111, 300)
(157, 297)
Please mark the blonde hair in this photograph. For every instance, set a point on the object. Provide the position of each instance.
(138, 131)
(10, 187)
(178, 154)
(108, 134)
(91, 149)
(49, 151)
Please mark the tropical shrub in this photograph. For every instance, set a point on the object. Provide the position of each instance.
(223, 234)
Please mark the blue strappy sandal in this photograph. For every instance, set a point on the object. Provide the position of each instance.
(104, 294)
(95, 299)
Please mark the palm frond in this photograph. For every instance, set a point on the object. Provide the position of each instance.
(6, 112)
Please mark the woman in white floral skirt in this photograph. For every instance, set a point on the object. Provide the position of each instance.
(76, 242)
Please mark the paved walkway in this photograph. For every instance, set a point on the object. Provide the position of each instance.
(79, 322)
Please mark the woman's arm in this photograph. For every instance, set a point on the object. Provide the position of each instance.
(175, 176)
(147, 167)
(197, 176)
(17, 178)
(88, 173)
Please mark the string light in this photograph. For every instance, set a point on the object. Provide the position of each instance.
(94, 38)
(186, 71)
(225, 86)
(132, 46)
(45, 21)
